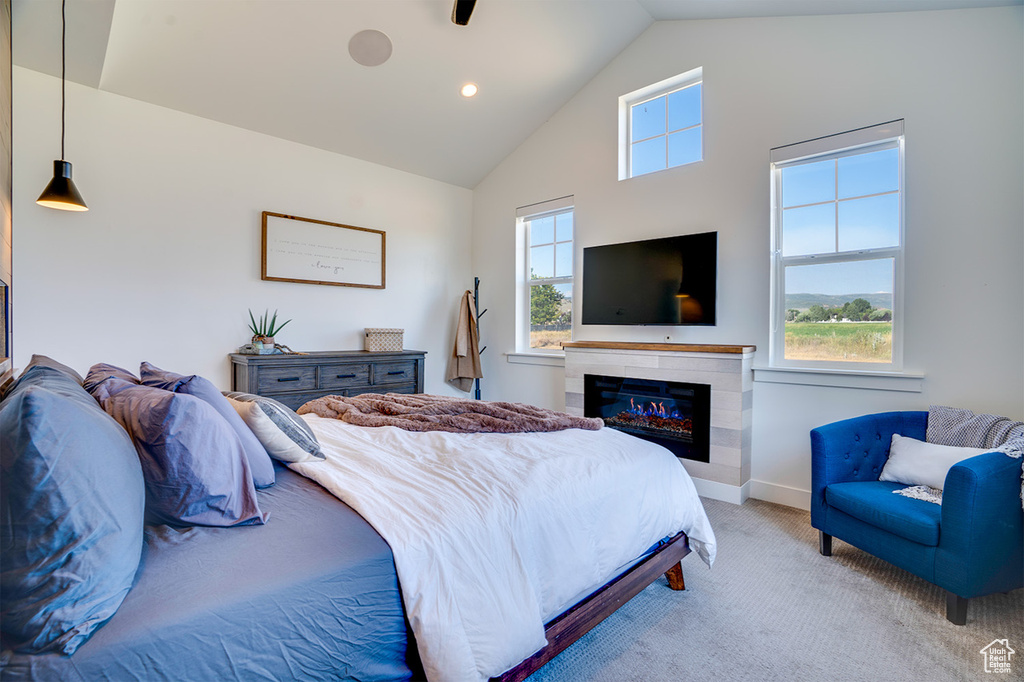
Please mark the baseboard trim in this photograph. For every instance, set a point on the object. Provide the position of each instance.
(781, 494)
(736, 494)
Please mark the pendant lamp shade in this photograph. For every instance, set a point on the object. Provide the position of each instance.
(61, 193)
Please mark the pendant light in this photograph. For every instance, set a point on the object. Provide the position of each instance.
(61, 193)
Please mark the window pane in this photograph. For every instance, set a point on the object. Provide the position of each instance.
(542, 262)
(563, 260)
(869, 223)
(550, 315)
(684, 147)
(808, 230)
(648, 156)
(684, 108)
(870, 173)
(809, 183)
(563, 227)
(542, 230)
(648, 119)
(839, 311)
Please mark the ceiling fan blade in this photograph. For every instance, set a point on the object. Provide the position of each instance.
(462, 10)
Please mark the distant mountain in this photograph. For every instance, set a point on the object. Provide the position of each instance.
(805, 301)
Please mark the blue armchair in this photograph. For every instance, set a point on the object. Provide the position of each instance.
(970, 545)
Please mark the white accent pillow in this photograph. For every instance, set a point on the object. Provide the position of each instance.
(915, 462)
(286, 439)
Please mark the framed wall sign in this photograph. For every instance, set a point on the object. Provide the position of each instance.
(318, 252)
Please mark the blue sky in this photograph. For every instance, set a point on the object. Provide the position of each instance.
(857, 277)
(679, 115)
(547, 258)
(839, 205)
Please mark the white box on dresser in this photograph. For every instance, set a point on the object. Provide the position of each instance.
(727, 369)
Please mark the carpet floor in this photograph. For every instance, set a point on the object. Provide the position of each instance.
(772, 608)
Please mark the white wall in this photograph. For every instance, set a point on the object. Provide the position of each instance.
(956, 77)
(166, 262)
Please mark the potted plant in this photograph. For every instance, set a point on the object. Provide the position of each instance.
(265, 329)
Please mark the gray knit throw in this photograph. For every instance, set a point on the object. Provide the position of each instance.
(962, 428)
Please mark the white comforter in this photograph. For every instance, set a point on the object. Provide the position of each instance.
(493, 534)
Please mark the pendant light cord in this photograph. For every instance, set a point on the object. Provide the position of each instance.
(63, 66)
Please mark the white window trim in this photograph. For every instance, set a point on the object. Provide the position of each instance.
(653, 91)
(549, 359)
(904, 382)
(834, 146)
(523, 351)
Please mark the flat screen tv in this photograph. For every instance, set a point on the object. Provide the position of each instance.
(668, 281)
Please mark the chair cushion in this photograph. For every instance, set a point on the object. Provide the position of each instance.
(873, 502)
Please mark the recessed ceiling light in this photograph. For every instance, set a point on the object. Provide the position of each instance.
(370, 47)
(469, 89)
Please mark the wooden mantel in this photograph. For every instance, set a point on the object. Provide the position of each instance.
(662, 347)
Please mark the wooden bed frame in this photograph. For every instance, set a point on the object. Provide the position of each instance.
(568, 627)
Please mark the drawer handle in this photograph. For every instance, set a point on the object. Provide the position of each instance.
(346, 376)
(288, 379)
(394, 373)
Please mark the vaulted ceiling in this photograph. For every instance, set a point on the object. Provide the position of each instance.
(282, 67)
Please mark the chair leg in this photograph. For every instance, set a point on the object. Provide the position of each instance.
(824, 543)
(956, 609)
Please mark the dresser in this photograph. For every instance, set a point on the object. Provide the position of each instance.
(296, 379)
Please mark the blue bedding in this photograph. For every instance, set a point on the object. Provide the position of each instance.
(311, 595)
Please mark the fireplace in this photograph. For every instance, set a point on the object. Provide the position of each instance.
(672, 414)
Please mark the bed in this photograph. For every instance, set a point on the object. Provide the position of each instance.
(313, 593)
(215, 603)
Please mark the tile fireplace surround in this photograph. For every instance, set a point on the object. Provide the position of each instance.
(727, 369)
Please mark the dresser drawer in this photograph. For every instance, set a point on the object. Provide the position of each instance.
(401, 388)
(393, 373)
(385, 388)
(297, 379)
(344, 376)
(297, 400)
(273, 380)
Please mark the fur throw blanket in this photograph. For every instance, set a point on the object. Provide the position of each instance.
(963, 428)
(425, 412)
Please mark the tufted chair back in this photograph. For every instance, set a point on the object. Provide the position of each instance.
(865, 448)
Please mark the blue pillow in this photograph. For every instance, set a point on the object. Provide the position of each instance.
(71, 514)
(195, 470)
(101, 370)
(44, 361)
(259, 461)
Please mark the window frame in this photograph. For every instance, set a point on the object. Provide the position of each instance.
(524, 283)
(833, 147)
(651, 92)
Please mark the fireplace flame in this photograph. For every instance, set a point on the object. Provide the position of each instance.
(653, 409)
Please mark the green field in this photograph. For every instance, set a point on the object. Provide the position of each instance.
(842, 341)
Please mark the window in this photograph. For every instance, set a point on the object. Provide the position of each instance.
(661, 126)
(545, 275)
(837, 251)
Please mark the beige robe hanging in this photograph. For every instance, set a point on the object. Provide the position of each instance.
(464, 363)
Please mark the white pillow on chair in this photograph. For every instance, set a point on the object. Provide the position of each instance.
(915, 462)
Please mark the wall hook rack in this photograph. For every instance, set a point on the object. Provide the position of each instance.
(479, 314)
